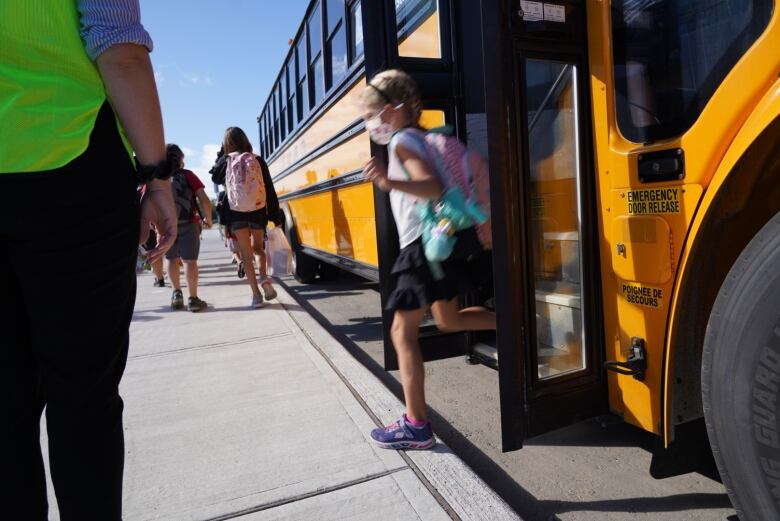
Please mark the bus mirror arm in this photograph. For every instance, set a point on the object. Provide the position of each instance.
(635, 365)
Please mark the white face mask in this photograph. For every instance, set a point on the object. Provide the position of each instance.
(380, 132)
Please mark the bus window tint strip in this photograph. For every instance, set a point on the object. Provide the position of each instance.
(670, 58)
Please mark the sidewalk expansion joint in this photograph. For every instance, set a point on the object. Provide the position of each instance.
(307, 495)
(211, 346)
(412, 465)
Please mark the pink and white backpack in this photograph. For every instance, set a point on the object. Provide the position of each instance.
(244, 183)
(458, 166)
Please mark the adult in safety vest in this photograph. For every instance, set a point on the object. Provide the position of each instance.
(77, 98)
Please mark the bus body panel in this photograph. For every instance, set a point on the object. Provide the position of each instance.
(634, 304)
(766, 112)
(338, 221)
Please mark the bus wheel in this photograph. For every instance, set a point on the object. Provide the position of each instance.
(304, 268)
(328, 272)
(741, 378)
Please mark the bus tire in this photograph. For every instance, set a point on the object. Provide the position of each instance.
(328, 272)
(741, 378)
(304, 267)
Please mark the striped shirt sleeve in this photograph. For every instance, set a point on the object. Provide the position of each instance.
(109, 22)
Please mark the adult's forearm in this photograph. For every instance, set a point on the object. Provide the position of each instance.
(129, 79)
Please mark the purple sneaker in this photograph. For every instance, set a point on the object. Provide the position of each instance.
(402, 435)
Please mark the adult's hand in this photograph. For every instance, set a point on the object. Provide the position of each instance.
(158, 209)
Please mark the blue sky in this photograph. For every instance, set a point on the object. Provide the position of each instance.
(215, 62)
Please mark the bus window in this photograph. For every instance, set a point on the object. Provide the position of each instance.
(337, 53)
(670, 57)
(418, 28)
(291, 98)
(356, 31)
(316, 69)
(336, 44)
(303, 88)
(554, 180)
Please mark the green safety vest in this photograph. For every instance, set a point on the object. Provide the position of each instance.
(50, 90)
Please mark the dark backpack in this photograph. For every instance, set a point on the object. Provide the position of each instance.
(182, 196)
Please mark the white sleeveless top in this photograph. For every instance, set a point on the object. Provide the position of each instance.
(407, 222)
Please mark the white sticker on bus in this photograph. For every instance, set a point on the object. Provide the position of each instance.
(532, 11)
(555, 13)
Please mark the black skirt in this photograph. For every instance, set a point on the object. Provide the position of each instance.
(415, 285)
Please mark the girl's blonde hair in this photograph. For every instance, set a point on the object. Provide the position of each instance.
(394, 87)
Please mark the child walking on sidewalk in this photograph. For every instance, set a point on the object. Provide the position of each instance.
(392, 107)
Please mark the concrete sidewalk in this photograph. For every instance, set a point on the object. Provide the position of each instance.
(252, 415)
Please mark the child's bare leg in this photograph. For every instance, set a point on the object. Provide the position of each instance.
(404, 332)
(245, 249)
(157, 268)
(258, 245)
(449, 318)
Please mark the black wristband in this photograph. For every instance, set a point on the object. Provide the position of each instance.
(162, 170)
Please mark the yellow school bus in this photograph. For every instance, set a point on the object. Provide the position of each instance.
(634, 152)
(312, 134)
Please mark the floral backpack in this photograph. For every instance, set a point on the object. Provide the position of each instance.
(244, 183)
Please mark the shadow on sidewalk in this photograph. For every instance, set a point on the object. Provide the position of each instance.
(275, 305)
(491, 473)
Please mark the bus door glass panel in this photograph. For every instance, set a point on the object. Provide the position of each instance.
(553, 149)
(418, 28)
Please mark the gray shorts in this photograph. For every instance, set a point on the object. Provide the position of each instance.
(187, 245)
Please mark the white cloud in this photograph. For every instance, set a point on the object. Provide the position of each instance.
(189, 79)
(201, 162)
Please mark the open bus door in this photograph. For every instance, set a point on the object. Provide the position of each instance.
(549, 338)
(415, 36)
(533, 87)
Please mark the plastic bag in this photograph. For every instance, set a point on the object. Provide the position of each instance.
(278, 253)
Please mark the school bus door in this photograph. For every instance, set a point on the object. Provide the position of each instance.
(550, 347)
(415, 36)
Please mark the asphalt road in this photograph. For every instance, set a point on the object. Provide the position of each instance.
(595, 470)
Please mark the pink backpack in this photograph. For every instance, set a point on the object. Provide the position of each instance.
(244, 183)
(458, 166)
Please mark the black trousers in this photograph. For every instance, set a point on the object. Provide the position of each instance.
(68, 243)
